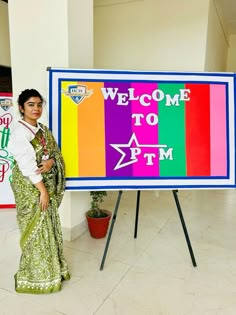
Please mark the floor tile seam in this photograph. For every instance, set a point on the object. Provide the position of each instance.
(214, 261)
(214, 245)
(156, 236)
(15, 229)
(111, 291)
(159, 228)
(19, 295)
(26, 297)
(193, 247)
(165, 223)
(119, 261)
(6, 291)
(99, 256)
(143, 250)
(10, 230)
(83, 251)
(4, 229)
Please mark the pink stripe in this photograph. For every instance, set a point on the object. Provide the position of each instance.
(146, 134)
(218, 130)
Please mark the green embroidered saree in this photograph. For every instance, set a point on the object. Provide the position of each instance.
(42, 265)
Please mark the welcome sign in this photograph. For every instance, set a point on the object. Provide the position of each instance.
(144, 130)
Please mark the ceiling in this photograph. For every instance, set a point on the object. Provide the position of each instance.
(226, 10)
(227, 13)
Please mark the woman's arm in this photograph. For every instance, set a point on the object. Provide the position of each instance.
(23, 152)
(44, 197)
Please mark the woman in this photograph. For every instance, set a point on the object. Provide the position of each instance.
(38, 187)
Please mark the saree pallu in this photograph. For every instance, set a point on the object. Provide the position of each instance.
(42, 264)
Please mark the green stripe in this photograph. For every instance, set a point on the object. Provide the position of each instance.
(172, 132)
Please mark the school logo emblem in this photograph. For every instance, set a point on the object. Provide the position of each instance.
(78, 93)
(5, 103)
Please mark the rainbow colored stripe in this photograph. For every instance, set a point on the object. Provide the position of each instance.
(196, 130)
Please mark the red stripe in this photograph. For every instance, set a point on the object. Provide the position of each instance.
(6, 94)
(7, 206)
(198, 130)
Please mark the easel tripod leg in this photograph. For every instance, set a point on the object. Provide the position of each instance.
(184, 227)
(137, 214)
(110, 230)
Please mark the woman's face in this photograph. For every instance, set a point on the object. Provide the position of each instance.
(32, 110)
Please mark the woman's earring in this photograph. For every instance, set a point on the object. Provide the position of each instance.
(21, 110)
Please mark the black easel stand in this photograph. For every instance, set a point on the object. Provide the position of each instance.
(111, 229)
(136, 225)
(137, 215)
(184, 227)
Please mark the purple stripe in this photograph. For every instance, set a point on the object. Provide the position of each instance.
(117, 132)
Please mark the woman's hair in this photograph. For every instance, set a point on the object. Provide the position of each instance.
(27, 94)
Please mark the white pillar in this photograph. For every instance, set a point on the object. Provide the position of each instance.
(56, 33)
(80, 55)
(80, 33)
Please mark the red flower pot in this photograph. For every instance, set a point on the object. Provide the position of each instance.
(98, 226)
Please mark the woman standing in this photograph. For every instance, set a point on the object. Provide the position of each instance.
(38, 186)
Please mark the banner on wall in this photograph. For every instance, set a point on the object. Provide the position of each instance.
(144, 130)
(6, 160)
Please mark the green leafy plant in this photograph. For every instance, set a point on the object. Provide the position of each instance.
(97, 199)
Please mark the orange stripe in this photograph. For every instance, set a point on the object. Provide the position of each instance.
(91, 132)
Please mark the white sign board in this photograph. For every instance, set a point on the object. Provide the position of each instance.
(6, 160)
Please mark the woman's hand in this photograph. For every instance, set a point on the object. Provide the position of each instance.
(45, 166)
(44, 196)
(44, 200)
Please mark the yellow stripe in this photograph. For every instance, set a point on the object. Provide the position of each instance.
(69, 132)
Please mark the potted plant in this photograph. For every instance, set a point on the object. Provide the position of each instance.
(97, 218)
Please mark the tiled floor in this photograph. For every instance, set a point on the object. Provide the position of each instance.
(150, 275)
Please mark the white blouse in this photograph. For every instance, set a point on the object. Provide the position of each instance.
(23, 152)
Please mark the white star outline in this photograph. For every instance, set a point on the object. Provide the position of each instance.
(134, 139)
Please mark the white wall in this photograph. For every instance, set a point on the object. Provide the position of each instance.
(231, 61)
(151, 34)
(217, 43)
(5, 59)
(39, 39)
